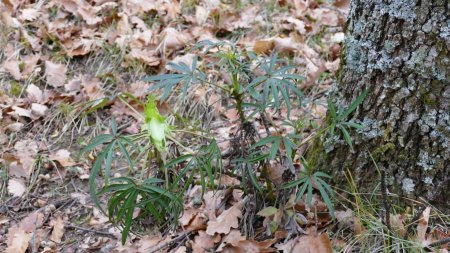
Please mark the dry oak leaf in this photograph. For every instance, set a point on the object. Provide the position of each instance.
(251, 246)
(422, 226)
(307, 244)
(63, 157)
(16, 187)
(34, 94)
(30, 14)
(58, 230)
(19, 111)
(89, 14)
(19, 242)
(204, 242)
(12, 67)
(232, 238)
(55, 73)
(149, 57)
(263, 46)
(26, 151)
(227, 219)
(38, 109)
(172, 39)
(92, 88)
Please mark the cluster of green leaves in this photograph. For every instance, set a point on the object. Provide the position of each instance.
(339, 114)
(252, 94)
(310, 179)
(276, 88)
(127, 195)
(206, 163)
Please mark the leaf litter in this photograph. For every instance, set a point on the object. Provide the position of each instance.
(57, 56)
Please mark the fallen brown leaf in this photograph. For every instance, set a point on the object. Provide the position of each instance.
(58, 229)
(227, 219)
(55, 73)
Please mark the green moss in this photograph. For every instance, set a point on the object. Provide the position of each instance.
(16, 89)
(340, 70)
(66, 109)
(316, 152)
(381, 151)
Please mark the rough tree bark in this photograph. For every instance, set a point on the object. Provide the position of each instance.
(399, 51)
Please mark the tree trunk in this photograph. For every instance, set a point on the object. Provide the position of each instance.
(399, 51)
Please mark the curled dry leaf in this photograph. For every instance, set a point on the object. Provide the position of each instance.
(204, 242)
(172, 39)
(92, 88)
(232, 238)
(14, 127)
(30, 14)
(307, 244)
(249, 246)
(227, 219)
(34, 94)
(19, 111)
(422, 226)
(12, 67)
(38, 109)
(16, 187)
(19, 242)
(55, 73)
(149, 57)
(58, 229)
(263, 46)
(63, 157)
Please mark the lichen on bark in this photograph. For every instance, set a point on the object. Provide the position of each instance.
(399, 51)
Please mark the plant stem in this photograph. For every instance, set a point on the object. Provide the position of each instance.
(237, 96)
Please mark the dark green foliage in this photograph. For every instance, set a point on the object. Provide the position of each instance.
(339, 115)
(125, 195)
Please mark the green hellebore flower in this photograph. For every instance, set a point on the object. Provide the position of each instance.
(155, 124)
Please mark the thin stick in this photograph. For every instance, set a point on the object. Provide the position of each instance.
(91, 230)
(413, 221)
(174, 240)
(385, 201)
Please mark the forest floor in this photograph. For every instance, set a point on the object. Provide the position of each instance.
(63, 65)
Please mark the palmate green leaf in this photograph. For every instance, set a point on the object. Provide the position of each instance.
(294, 183)
(332, 110)
(321, 186)
(168, 81)
(153, 199)
(302, 190)
(96, 167)
(128, 210)
(352, 106)
(108, 161)
(347, 137)
(207, 162)
(253, 178)
(97, 141)
(125, 153)
(277, 84)
(309, 194)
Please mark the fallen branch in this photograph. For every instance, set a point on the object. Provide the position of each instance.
(174, 240)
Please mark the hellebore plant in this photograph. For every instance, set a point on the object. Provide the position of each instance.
(155, 124)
